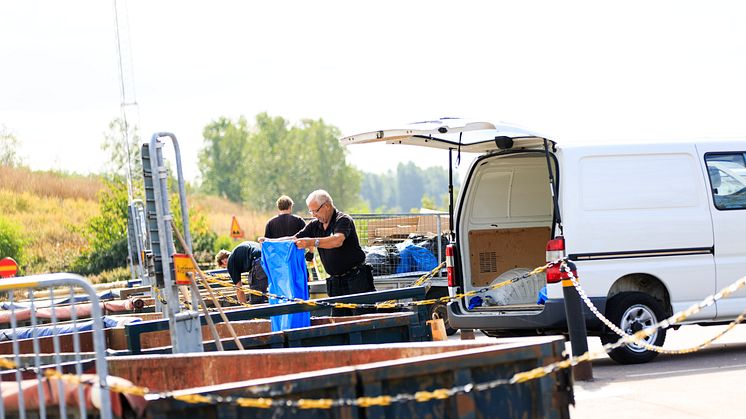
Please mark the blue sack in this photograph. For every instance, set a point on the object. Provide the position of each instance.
(542, 298)
(475, 302)
(285, 266)
(415, 258)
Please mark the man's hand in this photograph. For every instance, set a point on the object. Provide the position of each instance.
(304, 243)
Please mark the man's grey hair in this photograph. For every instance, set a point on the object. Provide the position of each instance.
(320, 196)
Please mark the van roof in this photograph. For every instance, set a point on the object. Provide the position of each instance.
(453, 133)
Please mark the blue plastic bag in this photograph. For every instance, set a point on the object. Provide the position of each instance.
(415, 258)
(542, 298)
(285, 266)
(475, 302)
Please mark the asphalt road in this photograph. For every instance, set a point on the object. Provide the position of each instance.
(705, 384)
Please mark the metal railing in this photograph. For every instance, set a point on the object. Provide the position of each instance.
(42, 339)
(402, 244)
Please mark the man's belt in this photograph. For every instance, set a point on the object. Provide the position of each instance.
(349, 272)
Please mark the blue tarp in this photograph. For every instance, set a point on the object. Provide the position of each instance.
(41, 303)
(80, 326)
(415, 258)
(285, 266)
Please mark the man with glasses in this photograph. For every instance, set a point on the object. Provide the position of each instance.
(333, 234)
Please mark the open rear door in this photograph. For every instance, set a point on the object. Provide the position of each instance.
(453, 134)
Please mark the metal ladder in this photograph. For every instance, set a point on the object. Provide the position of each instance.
(184, 325)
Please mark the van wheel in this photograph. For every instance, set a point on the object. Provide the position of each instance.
(440, 311)
(632, 312)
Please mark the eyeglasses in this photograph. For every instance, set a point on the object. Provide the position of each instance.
(316, 211)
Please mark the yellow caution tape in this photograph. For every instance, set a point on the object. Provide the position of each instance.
(261, 403)
(193, 398)
(315, 403)
(373, 401)
(439, 394)
(7, 363)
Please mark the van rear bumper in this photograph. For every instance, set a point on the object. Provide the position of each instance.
(550, 319)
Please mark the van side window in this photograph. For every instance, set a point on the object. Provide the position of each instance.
(727, 173)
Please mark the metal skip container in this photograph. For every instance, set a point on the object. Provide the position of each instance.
(457, 380)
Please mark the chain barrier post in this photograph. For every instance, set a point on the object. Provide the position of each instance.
(185, 327)
(576, 325)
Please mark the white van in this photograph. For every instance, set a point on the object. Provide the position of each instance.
(652, 228)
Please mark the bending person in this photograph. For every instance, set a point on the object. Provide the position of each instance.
(246, 257)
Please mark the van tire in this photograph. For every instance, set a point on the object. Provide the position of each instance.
(631, 312)
(440, 311)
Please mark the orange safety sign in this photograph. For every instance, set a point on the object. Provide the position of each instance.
(236, 232)
(183, 265)
(8, 268)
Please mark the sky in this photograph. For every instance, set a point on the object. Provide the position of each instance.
(571, 70)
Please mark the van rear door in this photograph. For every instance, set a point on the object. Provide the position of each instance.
(452, 134)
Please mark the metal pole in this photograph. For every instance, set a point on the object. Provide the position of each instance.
(576, 325)
(210, 323)
(450, 193)
(185, 327)
(214, 299)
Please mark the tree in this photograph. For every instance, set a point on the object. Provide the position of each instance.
(222, 160)
(107, 231)
(117, 148)
(321, 163)
(257, 165)
(411, 185)
(406, 188)
(9, 146)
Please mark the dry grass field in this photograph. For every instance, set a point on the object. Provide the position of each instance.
(52, 209)
(220, 211)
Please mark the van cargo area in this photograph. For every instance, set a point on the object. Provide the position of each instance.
(506, 221)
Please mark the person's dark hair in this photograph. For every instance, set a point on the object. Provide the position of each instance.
(284, 203)
(222, 255)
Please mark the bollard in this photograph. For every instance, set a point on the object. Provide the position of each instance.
(576, 326)
(467, 334)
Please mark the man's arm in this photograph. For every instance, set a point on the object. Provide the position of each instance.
(286, 238)
(330, 242)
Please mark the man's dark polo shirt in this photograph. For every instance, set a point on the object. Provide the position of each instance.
(342, 259)
(283, 225)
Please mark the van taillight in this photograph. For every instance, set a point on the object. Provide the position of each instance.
(555, 250)
(450, 250)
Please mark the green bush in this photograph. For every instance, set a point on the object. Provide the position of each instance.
(11, 240)
(223, 242)
(107, 232)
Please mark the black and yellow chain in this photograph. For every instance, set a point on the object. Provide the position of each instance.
(675, 319)
(391, 303)
(421, 396)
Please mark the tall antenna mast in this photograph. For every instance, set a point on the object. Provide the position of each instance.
(127, 83)
(135, 229)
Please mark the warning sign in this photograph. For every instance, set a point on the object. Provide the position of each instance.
(236, 232)
(182, 265)
(8, 268)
